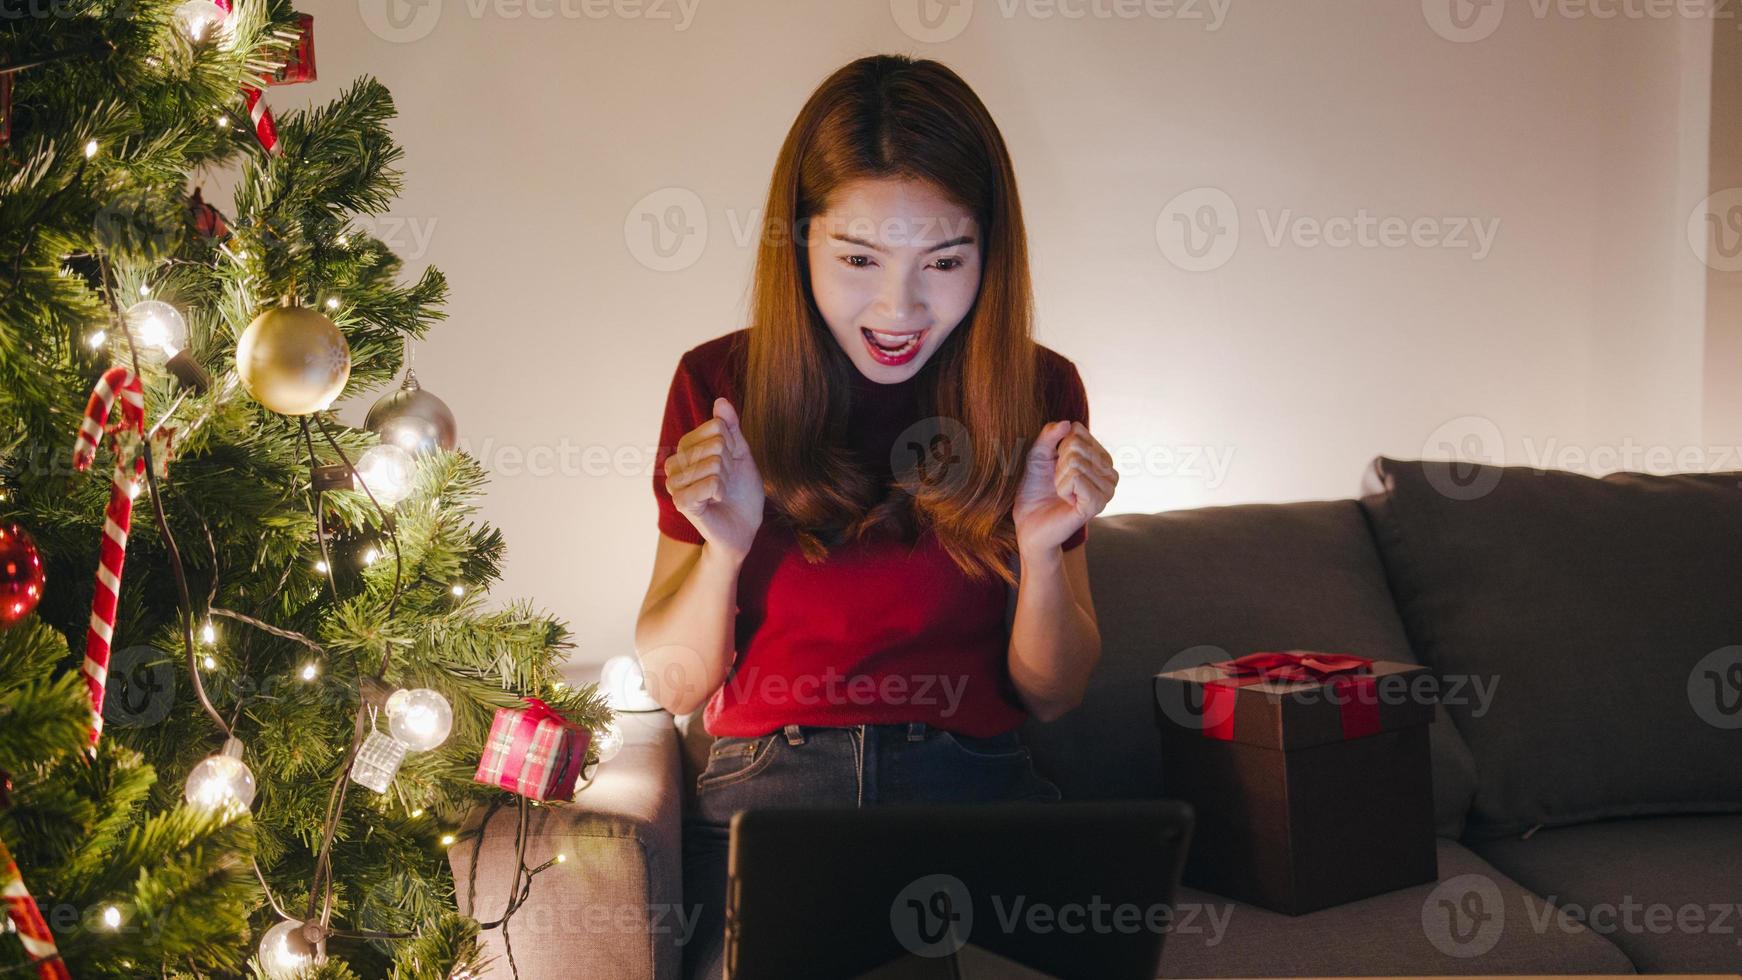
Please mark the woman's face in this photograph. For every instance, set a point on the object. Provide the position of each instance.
(894, 267)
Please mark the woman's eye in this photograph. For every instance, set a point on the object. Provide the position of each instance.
(951, 259)
(850, 260)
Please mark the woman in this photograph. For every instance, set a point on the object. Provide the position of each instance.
(871, 565)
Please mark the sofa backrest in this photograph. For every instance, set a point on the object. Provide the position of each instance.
(1605, 617)
(1182, 588)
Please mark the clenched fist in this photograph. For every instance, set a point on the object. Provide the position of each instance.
(714, 481)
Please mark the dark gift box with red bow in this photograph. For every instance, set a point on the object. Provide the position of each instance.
(1309, 773)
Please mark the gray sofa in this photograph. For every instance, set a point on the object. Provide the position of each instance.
(1589, 804)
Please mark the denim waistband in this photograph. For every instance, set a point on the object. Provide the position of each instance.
(916, 730)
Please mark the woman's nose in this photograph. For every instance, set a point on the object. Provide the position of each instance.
(901, 301)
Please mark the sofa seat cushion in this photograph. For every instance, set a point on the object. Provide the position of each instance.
(1473, 921)
(1667, 890)
(1601, 616)
(1187, 587)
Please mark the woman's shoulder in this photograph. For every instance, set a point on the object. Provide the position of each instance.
(1059, 378)
(714, 363)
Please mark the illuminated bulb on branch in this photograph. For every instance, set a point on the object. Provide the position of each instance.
(160, 328)
(624, 685)
(420, 718)
(196, 18)
(286, 952)
(609, 742)
(386, 471)
(222, 781)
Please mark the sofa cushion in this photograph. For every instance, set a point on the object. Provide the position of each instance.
(1600, 613)
(1473, 921)
(1664, 889)
(1183, 588)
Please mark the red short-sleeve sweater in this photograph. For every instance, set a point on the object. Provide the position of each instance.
(881, 631)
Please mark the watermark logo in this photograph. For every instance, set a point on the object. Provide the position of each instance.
(1464, 916)
(932, 21)
(1476, 451)
(667, 230)
(1199, 230)
(400, 21)
(1715, 688)
(1184, 704)
(933, 915)
(933, 452)
(140, 688)
(1715, 230)
(1463, 21)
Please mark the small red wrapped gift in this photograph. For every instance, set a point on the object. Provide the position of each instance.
(535, 752)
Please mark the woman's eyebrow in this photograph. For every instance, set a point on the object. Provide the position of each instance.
(862, 243)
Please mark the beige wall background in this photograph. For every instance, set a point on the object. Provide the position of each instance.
(1278, 237)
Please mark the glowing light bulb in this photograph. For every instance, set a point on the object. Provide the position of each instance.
(196, 18)
(458, 590)
(447, 840)
(158, 326)
(222, 781)
(625, 686)
(144, 289)
(609, 742)
(210, 663)
(97, 338)
(112, 917)
(420, 718)
(285, 952)
(90, 149)
(371, 556)
(208, 633)
(309, 671)
(332, 302)
(321, 567)
(386, 470)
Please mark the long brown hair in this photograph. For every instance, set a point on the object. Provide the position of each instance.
(890, 116)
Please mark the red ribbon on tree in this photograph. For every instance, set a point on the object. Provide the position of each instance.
(1349, 677)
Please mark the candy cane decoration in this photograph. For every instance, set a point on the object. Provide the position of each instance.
(118, 521)
(264, 128)
(27, 919)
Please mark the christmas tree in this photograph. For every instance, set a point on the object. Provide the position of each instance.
(224, 731)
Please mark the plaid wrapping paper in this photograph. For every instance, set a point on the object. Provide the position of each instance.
(535, 752)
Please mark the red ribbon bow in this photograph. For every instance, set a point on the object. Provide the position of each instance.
(1295, 665)
(1348, 675)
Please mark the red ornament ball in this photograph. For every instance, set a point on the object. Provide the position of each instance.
(20, 574)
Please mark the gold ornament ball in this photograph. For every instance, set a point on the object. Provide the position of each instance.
(293, 360)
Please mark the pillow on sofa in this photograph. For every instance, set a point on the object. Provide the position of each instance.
(1187, 587)
(1601, 612)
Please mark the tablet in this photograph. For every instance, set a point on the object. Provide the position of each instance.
(1035, 889)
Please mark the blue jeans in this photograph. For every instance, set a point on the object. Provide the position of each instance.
(859, 766)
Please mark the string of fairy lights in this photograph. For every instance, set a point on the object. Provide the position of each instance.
(153, 332)
(409, 421)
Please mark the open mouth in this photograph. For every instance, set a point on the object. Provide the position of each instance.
(892, 348)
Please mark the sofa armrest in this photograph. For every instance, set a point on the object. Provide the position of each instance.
(614, 906)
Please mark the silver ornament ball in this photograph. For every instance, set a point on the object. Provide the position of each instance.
(413, 419)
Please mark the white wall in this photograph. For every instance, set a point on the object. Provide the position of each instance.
(531, 144)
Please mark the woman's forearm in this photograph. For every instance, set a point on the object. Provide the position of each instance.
(686, 640)
(1054, 642)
